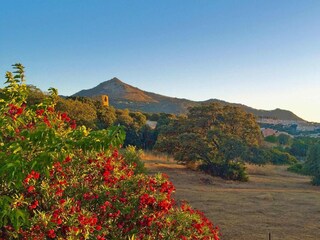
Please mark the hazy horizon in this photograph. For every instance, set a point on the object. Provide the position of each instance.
(264, 54)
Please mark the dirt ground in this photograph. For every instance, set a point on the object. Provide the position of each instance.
(273, 201)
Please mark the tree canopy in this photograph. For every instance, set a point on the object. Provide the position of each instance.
(214, 134)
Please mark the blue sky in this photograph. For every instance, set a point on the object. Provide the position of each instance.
(265, 54)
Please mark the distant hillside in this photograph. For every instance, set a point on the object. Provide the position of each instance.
(122, 95)
(277, 113)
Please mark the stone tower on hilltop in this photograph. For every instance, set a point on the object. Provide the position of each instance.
(105, 100)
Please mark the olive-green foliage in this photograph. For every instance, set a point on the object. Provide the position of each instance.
(228, 120)
(92, 114)
(231, 170)
(299, 147)
(313, 163)
(257, 155)
(106, 115)
(217, 135)
(35, 96)
(280, 157)
(284, 139)
(298, 168)
(137, 133)
(133, 156)
(83, 112)
(271, 139)
(148, 137)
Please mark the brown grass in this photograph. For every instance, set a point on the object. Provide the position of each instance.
(274, 200)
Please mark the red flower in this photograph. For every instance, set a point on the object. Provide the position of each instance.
(30, 189)
(50, 109)
(40, 112)
(59, 192)
(51, 233)
(14, 111)
(67, 159)
(34, 205)
(64, 117)
(165, 205)
(46, 121)
(62, 201)
(35, 174)
(73, 124)
(145, 200)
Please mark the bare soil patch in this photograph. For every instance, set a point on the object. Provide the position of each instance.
(274, 200)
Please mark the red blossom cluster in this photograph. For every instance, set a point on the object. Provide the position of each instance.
(64, 117)
(32, 175)
(14, 111)
(102, 198)
(46, 115)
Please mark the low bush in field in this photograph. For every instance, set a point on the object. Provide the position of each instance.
(60, 181)
(281, 158)
(229, 170)
(298, 168)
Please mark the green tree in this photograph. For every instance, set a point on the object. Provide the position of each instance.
(83, 112)
(215, 134)
(137, 133)
(35, 95)
(299, 148)
(271, 139)
(284, 139)
(123, 118)
(106, 116)
(280, 157)
(313, 163)
(139, 120)
(148, 136)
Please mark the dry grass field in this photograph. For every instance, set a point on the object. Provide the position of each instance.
(274, 200)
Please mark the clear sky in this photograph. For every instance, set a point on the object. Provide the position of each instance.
(265, 54)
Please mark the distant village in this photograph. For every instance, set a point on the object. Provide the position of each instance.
(270, 127)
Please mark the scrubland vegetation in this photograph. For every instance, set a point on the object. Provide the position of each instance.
(70, 168)
(63, 181)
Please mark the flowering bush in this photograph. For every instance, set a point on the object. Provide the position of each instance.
(59, 181)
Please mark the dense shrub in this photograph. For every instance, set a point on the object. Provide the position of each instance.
(257, 155)
(281, 158)
(100, 197)
(298, 168)
(60, 181)
(312, 163)
(271, 139)
(230, 170)
(133, 157)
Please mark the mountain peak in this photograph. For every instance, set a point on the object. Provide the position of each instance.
(118, 91)
(122, 95)
(115, 79)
